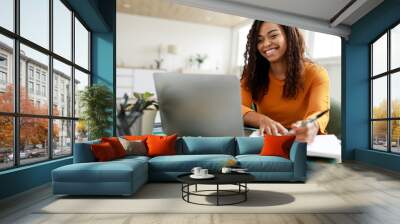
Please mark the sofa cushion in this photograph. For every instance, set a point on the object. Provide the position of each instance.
(249, 145)
(134, 147)
(116, 145)
(208, 145)
(277, 145)
(257, 163)
(185, 163)
(112, 171)
(103, 152)
(161, 145)
(83, 152)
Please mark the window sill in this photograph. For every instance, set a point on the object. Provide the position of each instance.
(26, 167)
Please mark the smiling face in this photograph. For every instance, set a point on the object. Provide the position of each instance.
(271, 42)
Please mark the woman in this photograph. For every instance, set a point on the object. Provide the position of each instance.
(285, 87)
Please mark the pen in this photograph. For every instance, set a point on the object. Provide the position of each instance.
(305, 122)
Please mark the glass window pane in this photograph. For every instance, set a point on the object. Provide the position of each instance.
(62, 138)
(379, 135)
(81, 45)
(379, 98)
(33, 139)
(35, 21)
(395, 94)
(395, 138)
(6, 142)
(6, 74)
(395, 47)
(62, 89)
(379, 55)
(81, 131)
(81, 81)
(7, 14)
(34, 72)
(62, 29)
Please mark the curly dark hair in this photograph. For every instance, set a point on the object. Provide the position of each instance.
(256, 67)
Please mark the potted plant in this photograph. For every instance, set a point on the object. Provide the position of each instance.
(137, 118)
(200, 59)
(96, 102)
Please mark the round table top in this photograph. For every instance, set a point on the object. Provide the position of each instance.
(220, 178)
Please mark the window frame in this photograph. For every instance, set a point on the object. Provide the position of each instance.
(16, 114)
(388, 74)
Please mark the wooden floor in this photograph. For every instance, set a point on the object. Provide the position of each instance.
(377, 188)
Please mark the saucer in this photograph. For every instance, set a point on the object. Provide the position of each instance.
(208, 176)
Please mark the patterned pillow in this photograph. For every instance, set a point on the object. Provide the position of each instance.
(135, 147)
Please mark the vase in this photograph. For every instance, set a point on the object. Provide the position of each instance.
(144, 124)
(147, 121)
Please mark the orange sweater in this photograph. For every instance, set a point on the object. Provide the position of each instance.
(314, 98)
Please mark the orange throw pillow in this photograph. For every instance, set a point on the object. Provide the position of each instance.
(161, 145)
(136, 137)
(103, 152)
(116, 145)
(277, 145)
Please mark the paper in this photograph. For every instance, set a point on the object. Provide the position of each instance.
(326, 146)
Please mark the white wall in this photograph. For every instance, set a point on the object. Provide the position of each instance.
(139, 38)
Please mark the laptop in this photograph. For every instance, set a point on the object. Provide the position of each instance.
(199, 105)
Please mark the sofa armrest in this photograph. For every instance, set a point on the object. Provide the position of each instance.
(83, 152)
(298, 155)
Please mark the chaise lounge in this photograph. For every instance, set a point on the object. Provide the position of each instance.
(125, 176)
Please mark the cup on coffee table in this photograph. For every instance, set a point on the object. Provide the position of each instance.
(196, 170)
(203, 172)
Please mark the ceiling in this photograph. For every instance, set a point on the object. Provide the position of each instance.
(328, 16)
(167, 9)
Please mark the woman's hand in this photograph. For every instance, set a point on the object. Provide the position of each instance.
(305, 133)
(271, 127)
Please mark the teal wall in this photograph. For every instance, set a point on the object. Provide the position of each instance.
(100, 17)
(355, 78)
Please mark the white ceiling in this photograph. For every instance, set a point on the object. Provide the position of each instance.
(324, 9)
(317, 15)
(167, 9)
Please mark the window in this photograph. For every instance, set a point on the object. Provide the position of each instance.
(6, 74)
(34, 21)
(30, 72)
(41, 83)
(7, 14)
(81, 81)
(81, 45)
(3, 72)
(30, 87)
(3, 78)
(6, 142)
(62, 74)
(37, 74)
(385, 97)
(62, 29)
(3, 61)
(44, 91)
(37, 89)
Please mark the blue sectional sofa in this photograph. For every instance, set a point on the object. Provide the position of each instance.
(125, 176)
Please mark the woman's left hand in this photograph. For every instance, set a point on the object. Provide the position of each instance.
(305, 133)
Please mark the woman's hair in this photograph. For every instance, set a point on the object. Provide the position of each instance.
(255, 75)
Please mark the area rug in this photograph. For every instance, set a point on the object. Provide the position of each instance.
(167, 198)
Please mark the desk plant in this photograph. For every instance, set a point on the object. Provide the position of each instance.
(96, 102)
(200, 59)
(129, 113)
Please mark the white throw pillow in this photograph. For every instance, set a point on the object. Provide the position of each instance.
(136, 147)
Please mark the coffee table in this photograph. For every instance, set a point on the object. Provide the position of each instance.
(238, 179)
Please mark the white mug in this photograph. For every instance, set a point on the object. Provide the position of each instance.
(196, 170)
(203, 172)
(226, 170)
